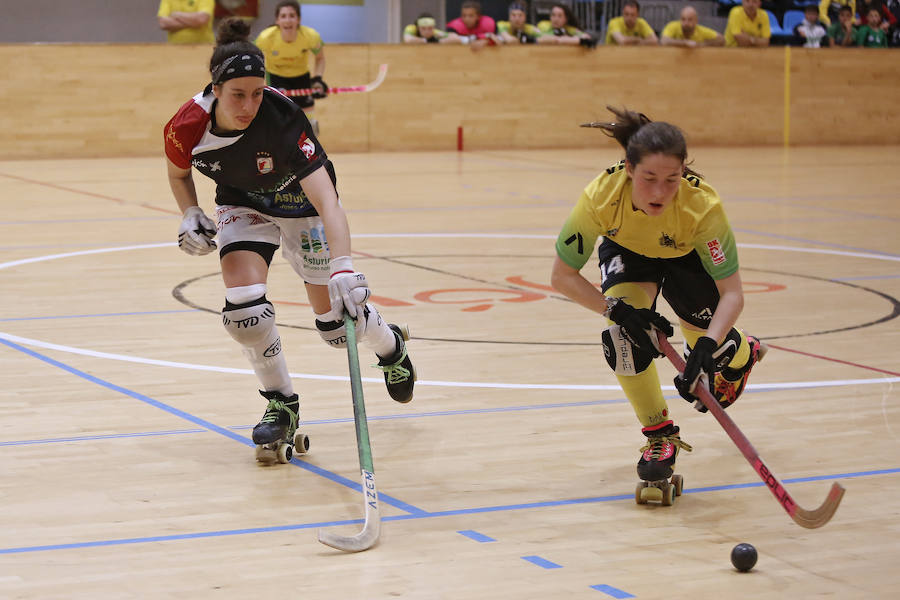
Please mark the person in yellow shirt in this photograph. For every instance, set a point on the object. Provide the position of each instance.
(687, 32)
(187, 21)
(829, 9)
(630, 29)
(748, 25)
(288, 47)
(664, 231)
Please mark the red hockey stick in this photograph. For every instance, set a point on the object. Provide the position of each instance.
(382, 73)
(811, 519)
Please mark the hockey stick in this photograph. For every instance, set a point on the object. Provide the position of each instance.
(366, 538)
(811, 519)
(382, 73)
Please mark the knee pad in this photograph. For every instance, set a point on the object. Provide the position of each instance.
(251, 322)
(334, 332)
(621, 356)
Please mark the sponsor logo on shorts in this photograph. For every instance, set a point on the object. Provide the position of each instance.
(313, 241)
(704, 315)
(715, 251)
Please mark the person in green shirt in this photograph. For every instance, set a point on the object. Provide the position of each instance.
(871, 35)
(842, 33)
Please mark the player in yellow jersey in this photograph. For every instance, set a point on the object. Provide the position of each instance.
(630, 29)
(748, 25)
(187, 21)
(689, 33)
(288, 47)
(664, 231)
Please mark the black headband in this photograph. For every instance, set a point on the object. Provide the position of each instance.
(239, 65)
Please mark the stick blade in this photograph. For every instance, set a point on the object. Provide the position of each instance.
(813, 519)
(364, 540)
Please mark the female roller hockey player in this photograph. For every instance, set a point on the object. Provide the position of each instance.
(275, 185)
(664, 230)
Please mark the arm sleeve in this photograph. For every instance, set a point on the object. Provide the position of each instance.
(644, 28)
(579, 234)
(715, 244)
(164, 9)
(207, 6)
(671, 30)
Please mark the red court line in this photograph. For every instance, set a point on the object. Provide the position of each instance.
(837, 360)
(92, 194)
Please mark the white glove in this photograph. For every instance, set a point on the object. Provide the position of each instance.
(347, 289)
(195, 236)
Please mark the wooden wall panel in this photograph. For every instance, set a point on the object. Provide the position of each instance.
(112, 100)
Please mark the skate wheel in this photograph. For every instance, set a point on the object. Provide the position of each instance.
(651, 493)
(668, 495)
(265, 455)
(285, 453)
(639, 493)
(301, 443)
(678, 484)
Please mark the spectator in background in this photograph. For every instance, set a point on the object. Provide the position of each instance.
(748, 25)
(562, 28)
(516, 30)
(288, 47)
(842, 33)
(473, 27)
(887, 17)
(829, 9)
(687, 32)
(872, 35)
(423, 31)
(248, 10)
(187, 21)
(630, 29)
(893, 7)
(810, 29)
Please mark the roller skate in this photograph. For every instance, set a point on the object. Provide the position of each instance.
(276, 436)
(657, 465)
(729, 383)
(399, 373)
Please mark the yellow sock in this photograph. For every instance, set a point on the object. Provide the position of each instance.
(642, 390)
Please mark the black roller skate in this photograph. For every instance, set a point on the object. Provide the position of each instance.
(276, 436)
(657, 464)
(729, 383)
(399, 373)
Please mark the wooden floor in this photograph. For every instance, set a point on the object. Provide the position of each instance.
(125, 409)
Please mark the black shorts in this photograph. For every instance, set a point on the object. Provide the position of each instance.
(685, 284)
(294, 83)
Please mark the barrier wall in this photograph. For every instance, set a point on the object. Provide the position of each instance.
(113, 100)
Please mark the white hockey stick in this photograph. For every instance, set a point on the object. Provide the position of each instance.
(382, 73)
(366, 538)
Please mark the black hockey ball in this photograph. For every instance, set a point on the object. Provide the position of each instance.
(743, 557)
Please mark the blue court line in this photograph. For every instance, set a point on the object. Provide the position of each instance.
(124, 314)
(542, 562)
(207, 425)
(408, 517)
(478, 537)
(611, 591)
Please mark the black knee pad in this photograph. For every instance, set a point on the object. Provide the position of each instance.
(621, 355)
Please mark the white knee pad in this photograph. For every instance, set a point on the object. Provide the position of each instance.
(251, 321)
(334, 332)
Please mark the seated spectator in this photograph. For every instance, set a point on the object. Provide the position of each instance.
(423, 32)
(829, 9)
(842, 33)
(630, 29)
(810, 30)
(872, 35)
(748, 26)
(893, 7)
(687, 32)
(187, 22)
(562, 28)
(516, 30)
(472, 27)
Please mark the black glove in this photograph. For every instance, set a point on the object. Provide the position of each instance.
(588, 42)
(524, 38)
(700, 362)
(639, 323)
(317, 93)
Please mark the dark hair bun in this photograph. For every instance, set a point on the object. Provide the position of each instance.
(232, 29)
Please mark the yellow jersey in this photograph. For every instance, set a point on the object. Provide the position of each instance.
(289, 59)
(694, 221)
(701, 34)
(189, 35)
(641, 29)
(739, 22)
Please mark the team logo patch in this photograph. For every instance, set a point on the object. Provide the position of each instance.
(715, 251)
(307, 147)
(264, 163)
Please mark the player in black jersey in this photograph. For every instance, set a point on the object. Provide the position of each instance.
(275, 187)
